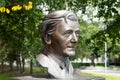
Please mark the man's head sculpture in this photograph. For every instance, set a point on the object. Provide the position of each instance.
(59, 33)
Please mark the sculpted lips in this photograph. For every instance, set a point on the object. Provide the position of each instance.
(71, 47)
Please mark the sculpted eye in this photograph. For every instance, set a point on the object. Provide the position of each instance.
(77, 33)
(68, 33)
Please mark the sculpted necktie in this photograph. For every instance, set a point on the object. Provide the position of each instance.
(65, 65)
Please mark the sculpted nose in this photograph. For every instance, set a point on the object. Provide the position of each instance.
(74, 38)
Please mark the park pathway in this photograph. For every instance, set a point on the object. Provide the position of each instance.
(101, 70)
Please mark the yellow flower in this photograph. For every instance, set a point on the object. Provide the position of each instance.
(29, 6)
(2, 9)
(30, 3)
(19, 7)
(7, 11)
(15, 8)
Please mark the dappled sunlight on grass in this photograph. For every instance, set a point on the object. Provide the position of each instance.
(107, 77)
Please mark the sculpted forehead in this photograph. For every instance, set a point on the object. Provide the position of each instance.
(70, 25)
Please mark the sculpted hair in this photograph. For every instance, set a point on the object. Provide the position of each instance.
(51, 20)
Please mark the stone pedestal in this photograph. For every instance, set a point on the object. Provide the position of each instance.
(47, 77)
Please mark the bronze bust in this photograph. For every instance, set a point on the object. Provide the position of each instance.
(59, 33)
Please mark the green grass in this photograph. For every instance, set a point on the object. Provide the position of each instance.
(36, 69)
(107, 77)
(7, 76)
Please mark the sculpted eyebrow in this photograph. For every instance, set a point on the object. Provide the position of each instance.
(78, 31)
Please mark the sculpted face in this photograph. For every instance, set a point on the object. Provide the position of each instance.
(65, 38)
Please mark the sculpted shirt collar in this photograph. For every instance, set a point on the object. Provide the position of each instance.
(62, 62)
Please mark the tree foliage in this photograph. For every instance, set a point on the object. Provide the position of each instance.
(20, 20)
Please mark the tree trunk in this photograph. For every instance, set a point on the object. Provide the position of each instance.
(11, 66)
(23, 64)
(17, 65)
(93, 62)
(82, 62)
(2, 66)
(31, 70)
(19, 62)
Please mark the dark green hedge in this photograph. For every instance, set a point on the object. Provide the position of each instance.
(77, 65)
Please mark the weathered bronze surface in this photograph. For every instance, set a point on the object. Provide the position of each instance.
(59, 33)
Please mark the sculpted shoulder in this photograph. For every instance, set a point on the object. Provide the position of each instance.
(43, 59)
(40, 56)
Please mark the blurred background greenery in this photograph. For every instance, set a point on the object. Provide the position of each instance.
(20, 40)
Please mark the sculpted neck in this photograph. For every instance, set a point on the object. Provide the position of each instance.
(50, 51)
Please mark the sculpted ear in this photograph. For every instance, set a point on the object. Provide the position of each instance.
(47, 39)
